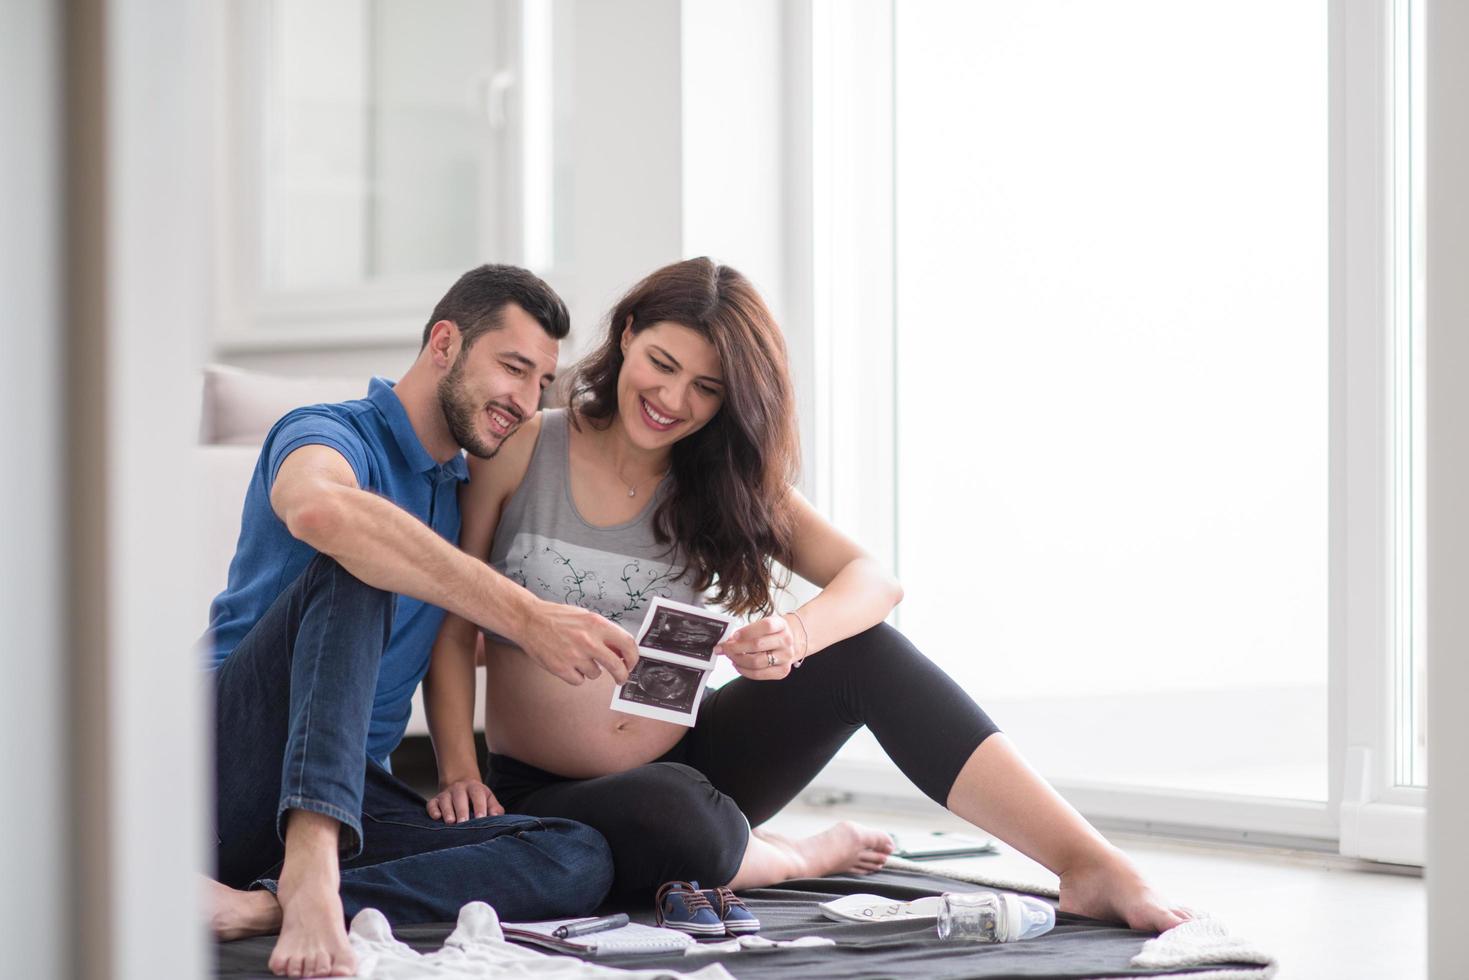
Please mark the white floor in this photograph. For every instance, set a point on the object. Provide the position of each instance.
(1321, 916)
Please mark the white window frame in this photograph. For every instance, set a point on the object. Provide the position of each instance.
(1379, 820)
(852, 253)
(853, 248)
(251, 318)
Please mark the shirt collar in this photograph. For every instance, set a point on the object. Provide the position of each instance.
(380, 393)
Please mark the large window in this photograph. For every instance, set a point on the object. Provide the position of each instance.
(372, 150)
(1112, 380)
(1148, 449)
(382, 150)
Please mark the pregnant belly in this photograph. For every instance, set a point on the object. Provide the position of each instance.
(569, 730)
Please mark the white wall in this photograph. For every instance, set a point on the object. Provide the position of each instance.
(34, 753)
(732, 72)
(625, 151)
(131, 441)
(1448, 486)
(797, 309)
(103, 267)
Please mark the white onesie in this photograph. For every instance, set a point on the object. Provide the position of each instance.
(476, 950)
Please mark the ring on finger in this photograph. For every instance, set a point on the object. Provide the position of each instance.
(770, 660)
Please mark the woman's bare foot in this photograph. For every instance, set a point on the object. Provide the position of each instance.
(313, 940)
(845, 847)
(1111, 888)
(234, 914)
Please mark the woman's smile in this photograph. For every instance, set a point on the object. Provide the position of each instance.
(656, 420)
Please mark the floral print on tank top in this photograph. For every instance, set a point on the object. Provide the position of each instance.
(614, 586)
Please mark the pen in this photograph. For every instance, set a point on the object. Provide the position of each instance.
(574, 929)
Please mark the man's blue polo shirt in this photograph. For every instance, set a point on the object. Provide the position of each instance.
(376, 438)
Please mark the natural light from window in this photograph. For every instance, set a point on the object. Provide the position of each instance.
(1112, 381)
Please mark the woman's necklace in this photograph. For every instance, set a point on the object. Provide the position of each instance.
(632, 488)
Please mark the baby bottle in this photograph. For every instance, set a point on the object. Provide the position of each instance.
(992, 917)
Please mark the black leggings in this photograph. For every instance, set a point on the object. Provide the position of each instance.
(757, 744)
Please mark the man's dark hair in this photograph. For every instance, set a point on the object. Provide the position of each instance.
(475, 303)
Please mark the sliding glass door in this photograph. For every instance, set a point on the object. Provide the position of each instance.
(1112, 381)
(1141, 423)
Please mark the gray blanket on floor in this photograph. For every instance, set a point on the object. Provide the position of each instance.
(1077, 948)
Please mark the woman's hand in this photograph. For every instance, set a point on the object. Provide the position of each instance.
(464, 800)
(765, 650)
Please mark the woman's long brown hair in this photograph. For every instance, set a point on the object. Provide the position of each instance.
(730, 511)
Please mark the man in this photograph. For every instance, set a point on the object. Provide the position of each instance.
(345, 563)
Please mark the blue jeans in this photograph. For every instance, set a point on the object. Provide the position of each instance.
(292, 707)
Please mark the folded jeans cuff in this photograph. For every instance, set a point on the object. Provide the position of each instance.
(349, 843)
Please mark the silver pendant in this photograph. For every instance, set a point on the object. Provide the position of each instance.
(633, 492)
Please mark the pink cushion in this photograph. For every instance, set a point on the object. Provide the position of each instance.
(240, 406)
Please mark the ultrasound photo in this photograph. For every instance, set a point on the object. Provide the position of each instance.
(663, 685)
(684, 633)
(672, 687)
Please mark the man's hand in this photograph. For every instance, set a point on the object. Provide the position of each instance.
(576, 644)
(464, 800)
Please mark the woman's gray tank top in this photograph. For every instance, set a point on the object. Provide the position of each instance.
(543, 543)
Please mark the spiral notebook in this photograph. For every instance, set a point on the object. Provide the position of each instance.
(631, 938)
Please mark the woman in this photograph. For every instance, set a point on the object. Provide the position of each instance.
(671, 474)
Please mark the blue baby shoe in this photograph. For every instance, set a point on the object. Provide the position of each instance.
(736, 915)
(680, 905)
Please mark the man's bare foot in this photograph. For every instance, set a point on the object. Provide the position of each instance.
(1111, 888)
(234, 914)
(313, 940)
(844, 847)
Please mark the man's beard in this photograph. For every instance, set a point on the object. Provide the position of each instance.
(460, 412)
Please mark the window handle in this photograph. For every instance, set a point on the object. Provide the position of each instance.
(493, 95)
